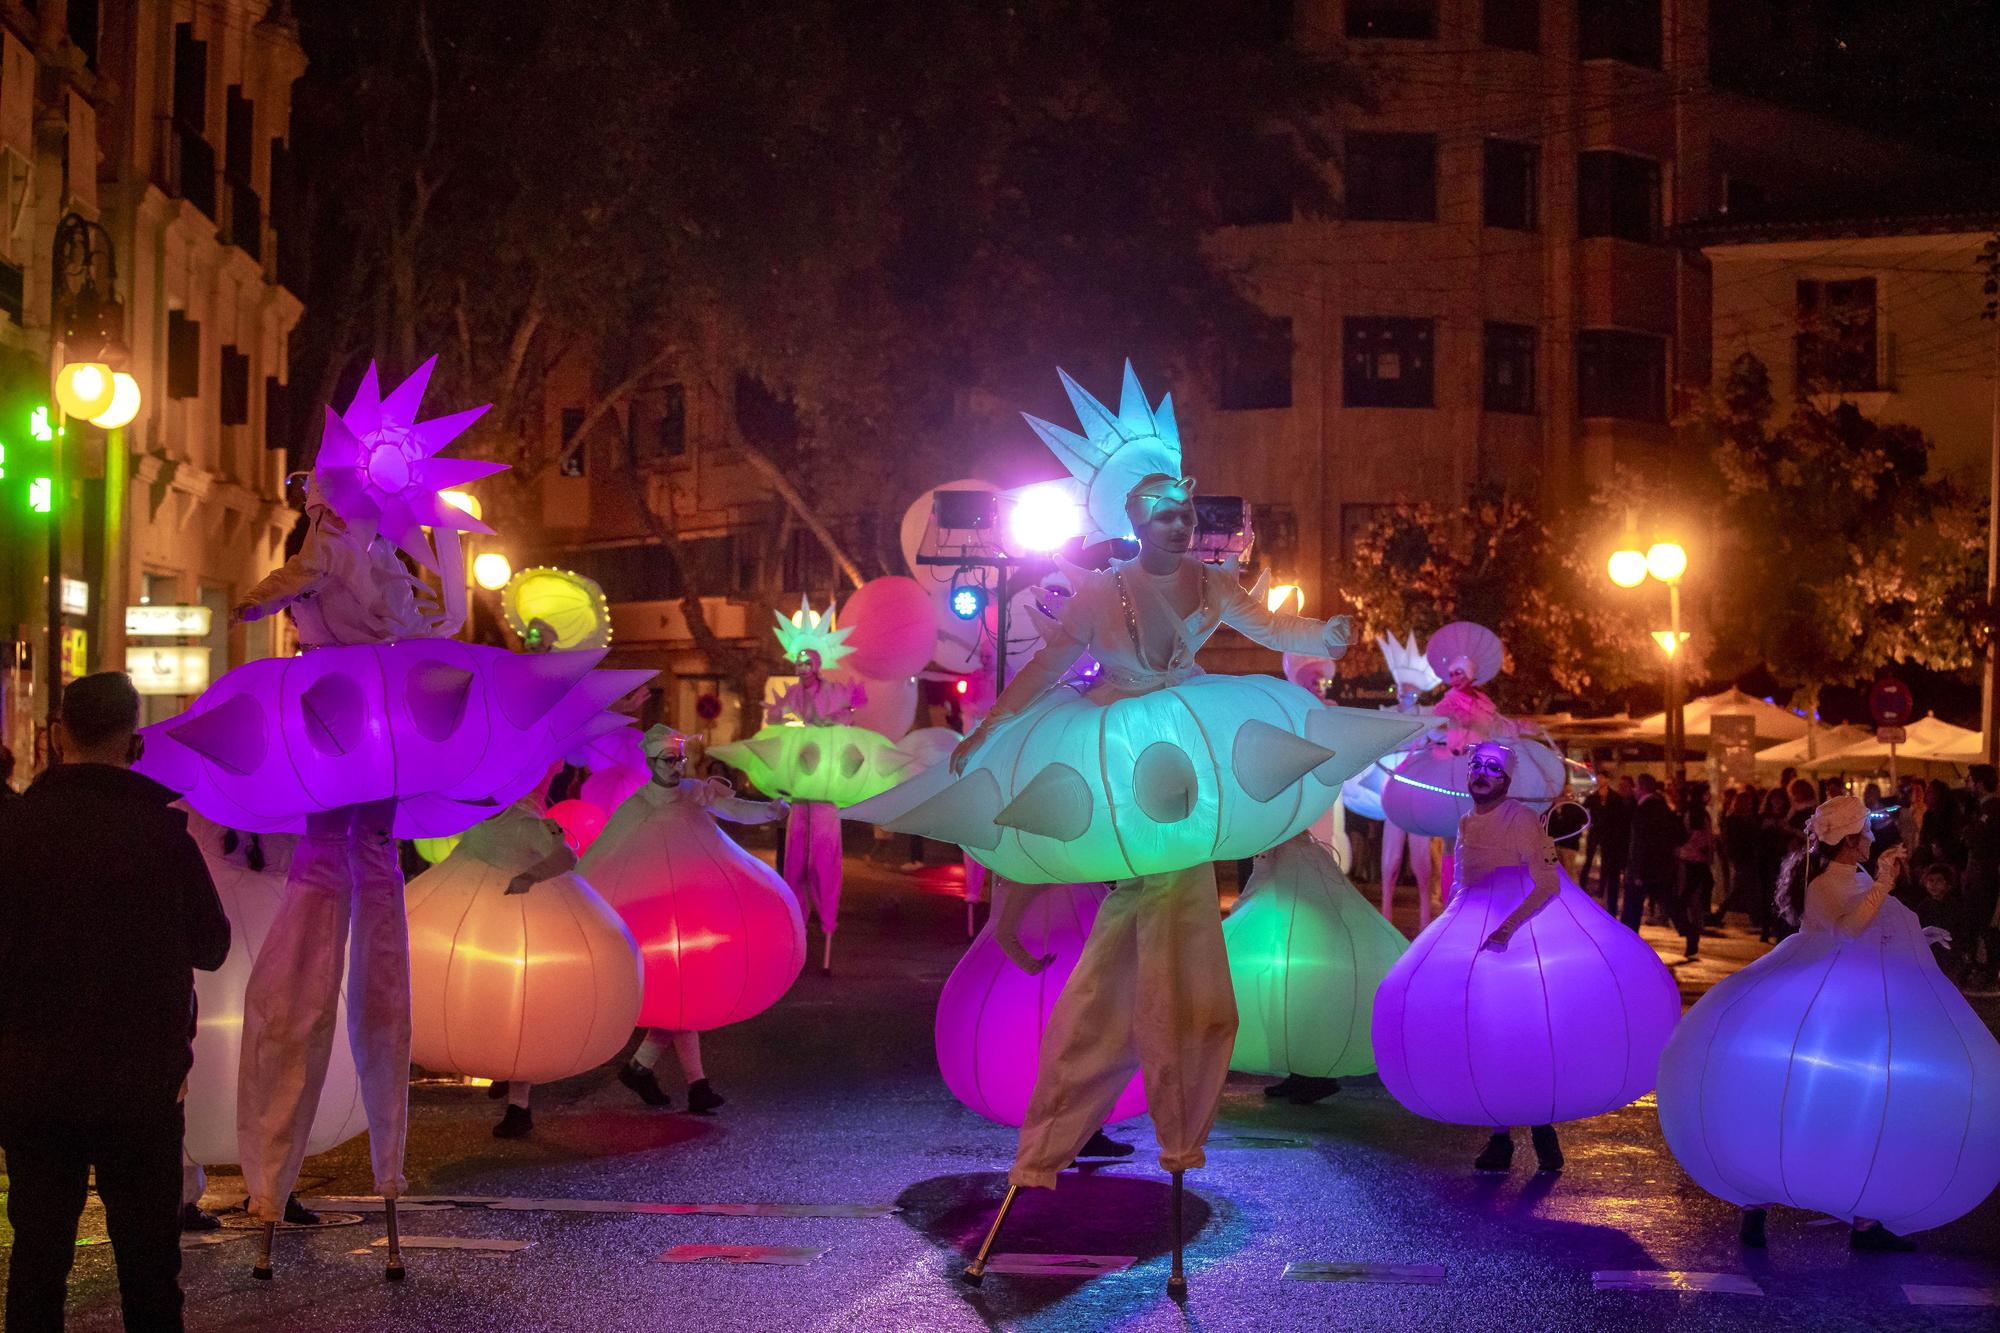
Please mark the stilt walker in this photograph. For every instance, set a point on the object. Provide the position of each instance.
(1145, 781)
(385, 727)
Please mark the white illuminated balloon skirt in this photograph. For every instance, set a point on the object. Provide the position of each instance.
(1568, 1022)
(250, 898)
(1848, 1077)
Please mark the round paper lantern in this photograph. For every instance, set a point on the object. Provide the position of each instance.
(1425, 792)
(1306, 952)
(1213, 769)
(892, 628)
(125, 403)
(991, 1014)
(581, 823)
(720, 936)
(1848, 1077)
(840, 765)
(251, 899)
(1568, 1022)
(448, 730)
(536, 986)
(86, 389)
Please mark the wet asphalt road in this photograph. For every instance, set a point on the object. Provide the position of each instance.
(834, 1098)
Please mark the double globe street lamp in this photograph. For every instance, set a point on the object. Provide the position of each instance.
(1663, 562)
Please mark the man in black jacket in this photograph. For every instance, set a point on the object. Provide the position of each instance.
(106, 908)
(1652, 874)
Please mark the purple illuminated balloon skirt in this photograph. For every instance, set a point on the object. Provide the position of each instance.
(450, 731)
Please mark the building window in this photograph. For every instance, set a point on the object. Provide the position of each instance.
(1836, 343)
(192, 175)
(83, 22)
(246, 206)
(1257, 370)
(277, 414)
(1621, 374)
(1512, 176)
(1510, 368)
(573, 448)
(1391, 177)
(673, 434)
(183, 355)
(1256, 190)
(1742, 196)
(235, 388)
(11, 290)
(1624, 30)
(1515, 25)
(1386, 362)
(1411, 19)
(1618, 194)
(657, 424)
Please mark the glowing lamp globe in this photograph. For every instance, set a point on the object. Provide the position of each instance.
(581, 822)
(537, 986)
(991, 1014)
(85, 389)
(251, 899)
(1568, 1022)
(125, 402)
(491, 570)
(1306, 953)
(1845, 1077)
(1666, 561)
(1045, 518)
(891, 628)
(1627, 568)
(720, 936)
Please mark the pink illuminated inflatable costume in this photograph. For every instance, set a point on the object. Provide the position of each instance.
(384, 727)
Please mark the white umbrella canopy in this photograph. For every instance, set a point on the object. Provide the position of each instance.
(1929, 740)
(1824, 741)
(1773, 723)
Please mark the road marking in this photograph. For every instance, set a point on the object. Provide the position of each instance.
(1922, 1294)
(742, 1254)
(1059, 1265)
(1428, 1275)
(1672, 1280)
(498, 1203)
(486, 1244)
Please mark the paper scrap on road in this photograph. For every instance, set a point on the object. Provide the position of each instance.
(488, 1244)
(435, 1202)
(1925, 1294)
(1059, 1265)
(1410, 1274)
(244, 1222)
(1673, 1280)
(742, 1254)
(1254, 1141)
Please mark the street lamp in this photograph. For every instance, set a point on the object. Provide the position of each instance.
(1663, 562)
(87, 354)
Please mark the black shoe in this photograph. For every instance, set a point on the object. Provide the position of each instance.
(1693, 952)
(1879, 1240)
(195, 1218)
(297, 1214)
(702, 1099)
(1548, 1152)
(496, 1089)
(1283, 1087)
(1306, 1091)
(640, 1079)
(1499, 1154)
(518, 1123)
(1101, 1144)
(1751, 1232)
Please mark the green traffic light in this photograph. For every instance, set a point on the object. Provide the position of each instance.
(38, 425)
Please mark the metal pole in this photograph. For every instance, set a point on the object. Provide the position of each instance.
(1000, 625)
(1676, 720)
(1990, 682)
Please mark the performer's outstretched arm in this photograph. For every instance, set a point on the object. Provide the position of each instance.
(1280, 630)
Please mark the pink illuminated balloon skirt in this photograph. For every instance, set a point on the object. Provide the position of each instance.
(452, 732)
(1848, 1077)
(991, 1015)
(1568, 1022)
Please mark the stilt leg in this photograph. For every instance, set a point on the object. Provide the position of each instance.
(262, 1270)
(975, 1272)
(826, 957)
(971, 909)
(1177, 1281)
(394, 1272)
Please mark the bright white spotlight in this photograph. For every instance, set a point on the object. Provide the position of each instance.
(1045, 517)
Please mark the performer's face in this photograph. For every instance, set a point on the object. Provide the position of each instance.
(1170, 528)
(1486, 777)
(669, 769)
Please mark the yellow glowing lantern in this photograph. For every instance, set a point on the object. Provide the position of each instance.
(464, 500)
(571, 607)
(1286, 596)
(1666, 561)
(1628, 568)
(85, 388)
(491, 571)
(125, 402)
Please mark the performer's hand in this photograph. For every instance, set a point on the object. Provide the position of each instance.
(1024, 960)
(519, 884)
(1889, 866)
(962, 753)
(1496, 942)
(1937, 935)
(244, 612)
